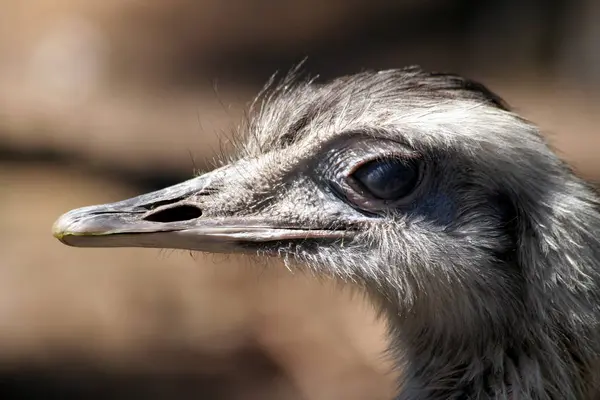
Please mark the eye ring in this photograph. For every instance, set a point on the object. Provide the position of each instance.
(384, 182)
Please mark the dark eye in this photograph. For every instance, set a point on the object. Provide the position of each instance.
(388, 179)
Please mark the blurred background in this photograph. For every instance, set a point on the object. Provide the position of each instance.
(102, 99)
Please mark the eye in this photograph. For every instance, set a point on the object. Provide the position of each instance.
(388, 179)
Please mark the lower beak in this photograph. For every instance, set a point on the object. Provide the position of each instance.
(168, 219)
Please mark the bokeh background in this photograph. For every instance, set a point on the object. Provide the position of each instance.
(102, 99)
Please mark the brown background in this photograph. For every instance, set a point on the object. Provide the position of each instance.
(108, 98)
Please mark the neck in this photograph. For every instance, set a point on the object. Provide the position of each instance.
(445, 355)
(493, 366)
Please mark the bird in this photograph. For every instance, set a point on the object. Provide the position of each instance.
(476, 242)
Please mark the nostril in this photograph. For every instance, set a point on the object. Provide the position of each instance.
(182, 212)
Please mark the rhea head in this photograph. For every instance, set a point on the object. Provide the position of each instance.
(416, 185)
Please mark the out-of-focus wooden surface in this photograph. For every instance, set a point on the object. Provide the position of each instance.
(102, 99)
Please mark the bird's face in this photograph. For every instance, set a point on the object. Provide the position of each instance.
(362, 179)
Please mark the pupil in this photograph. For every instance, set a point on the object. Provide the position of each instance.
(388, 179)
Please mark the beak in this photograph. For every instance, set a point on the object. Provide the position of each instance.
(176, 217)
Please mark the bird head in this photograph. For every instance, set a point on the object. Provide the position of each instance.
(425, 187)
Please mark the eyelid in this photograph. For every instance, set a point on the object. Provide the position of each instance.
(404, 156)
(341, 159)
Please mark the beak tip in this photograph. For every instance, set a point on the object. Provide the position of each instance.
(59, 229)
(74, 228)
(64, 227)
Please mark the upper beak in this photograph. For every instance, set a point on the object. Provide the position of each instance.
(171, 218)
